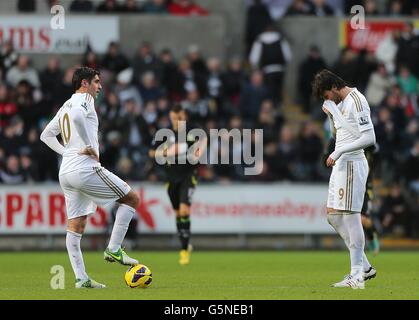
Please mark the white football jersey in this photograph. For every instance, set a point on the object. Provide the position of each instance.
(356, 111)
(63, 124)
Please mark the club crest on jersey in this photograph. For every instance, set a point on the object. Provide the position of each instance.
(84, 105)
(363, 120)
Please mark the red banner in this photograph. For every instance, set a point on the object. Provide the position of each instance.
(369, 37)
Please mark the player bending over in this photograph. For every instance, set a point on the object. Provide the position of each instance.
(349, 113)
(84, 181)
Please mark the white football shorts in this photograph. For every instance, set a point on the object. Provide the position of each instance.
(347, 185)
(86, 188)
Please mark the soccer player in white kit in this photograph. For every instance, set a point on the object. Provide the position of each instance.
(84, 181)
(349, 113)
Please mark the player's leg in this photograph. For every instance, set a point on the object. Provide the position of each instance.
(104, 187)
(187, 190)
(78, 208)
(173, 191)
(346, 223)
(371, 233)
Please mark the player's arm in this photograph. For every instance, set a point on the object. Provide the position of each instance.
(79, 114)
(49, 136)
(173, 150)
(331, 121)
(366, 139)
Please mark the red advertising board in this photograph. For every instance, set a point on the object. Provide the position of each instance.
(369, 37)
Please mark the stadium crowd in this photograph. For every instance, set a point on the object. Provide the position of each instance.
(239, 93)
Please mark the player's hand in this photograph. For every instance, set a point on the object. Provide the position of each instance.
(326, 111)
(89, 151)
(151, 153)
(330, 162)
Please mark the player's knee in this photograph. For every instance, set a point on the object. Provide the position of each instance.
(184, 210)
(77, 225)
(131, 199)
(134, 199)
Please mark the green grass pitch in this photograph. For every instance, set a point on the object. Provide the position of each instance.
(221, 275)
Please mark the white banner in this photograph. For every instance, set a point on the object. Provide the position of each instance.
(33, 34)
(269, 209)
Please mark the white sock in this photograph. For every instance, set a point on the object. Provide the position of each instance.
(356, 241)
(123, 218)
(72, 242)
(336, 221)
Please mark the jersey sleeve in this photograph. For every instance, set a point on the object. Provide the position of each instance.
(78, 114)
(362, 113)
(53, 128)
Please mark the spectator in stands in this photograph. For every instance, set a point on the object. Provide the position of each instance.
(308, 68)
(310, 148)
(114, 60)
(65, 88)
(149, 89)
(169, 73)
(348, 4)
(51, 78)
(286, 155)
(394, 213)
(378, 86)
(28, 107)
(320, 8)
(130, 6)
(145, 60)
(26, 6)
(125, 90)
(215, 86)
(198, 108)
(186, 8)
(12, 173)
(257, 19)
(233, 80)
(345, 67)
(271, 53)
(29, 168)
(299, 7)
(387, 49)
(395, 8)
(8, 108)
(108, 6)
(365, 65)
(10, 138)
(91, 60)
(411, 168)
(155, 7)
(251, 97)
(388, 138)
(22, 71)
(407, 82)
(196, 60)
(132, 126)
(371, 8)
(188, 80)
(8, 56)
(81, 6)
(270, 121)
(408, 49)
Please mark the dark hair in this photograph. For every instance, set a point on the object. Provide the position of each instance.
(176, 108)
(83, 73)
(326, 80)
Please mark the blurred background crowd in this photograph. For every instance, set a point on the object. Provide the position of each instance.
(242, 92)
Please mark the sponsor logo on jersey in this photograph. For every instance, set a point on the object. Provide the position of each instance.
(363, 120)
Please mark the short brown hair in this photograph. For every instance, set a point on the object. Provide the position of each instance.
(83, 73)
(326, 80)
